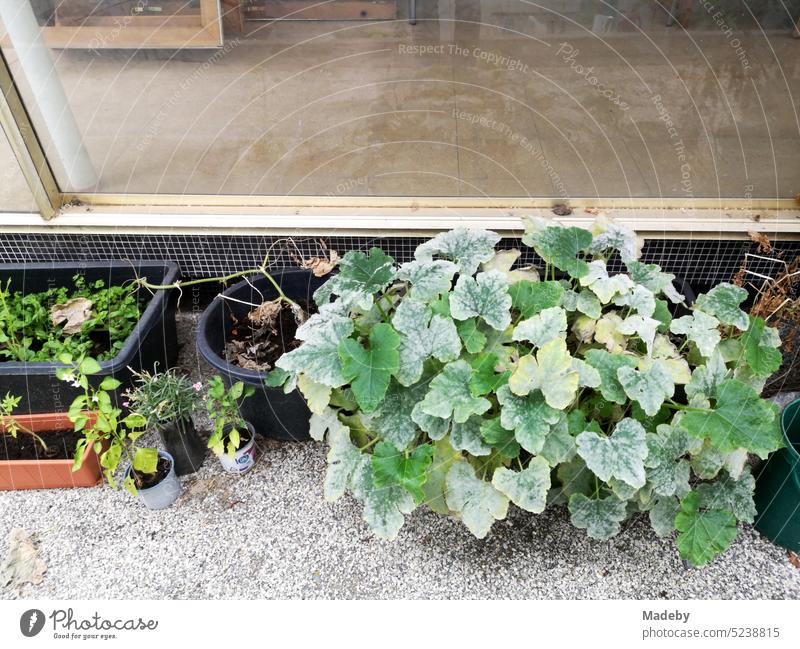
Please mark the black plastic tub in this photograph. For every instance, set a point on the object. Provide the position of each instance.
(153, 340)
(271, 412)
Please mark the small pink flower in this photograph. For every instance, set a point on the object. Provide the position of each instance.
(126, 404)
(197, 386)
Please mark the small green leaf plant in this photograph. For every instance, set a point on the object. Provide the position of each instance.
(223, 409)
(29, 333)
(104, 429)
(10, 426)
(457, 382)
(163, 397)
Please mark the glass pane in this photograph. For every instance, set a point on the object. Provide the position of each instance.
(15, 195)
(613, 98)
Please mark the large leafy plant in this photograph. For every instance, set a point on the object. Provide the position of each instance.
(456, 382)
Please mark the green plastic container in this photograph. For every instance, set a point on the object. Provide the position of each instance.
(778, 486)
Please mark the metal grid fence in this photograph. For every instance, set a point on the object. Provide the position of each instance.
(703, 260)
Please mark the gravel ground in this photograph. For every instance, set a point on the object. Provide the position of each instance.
(270, 534)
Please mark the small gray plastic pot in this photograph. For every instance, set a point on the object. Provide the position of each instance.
(166, 492)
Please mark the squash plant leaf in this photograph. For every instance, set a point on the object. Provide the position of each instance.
(649, 388)
(703, 533)
(369, 370)
(485, 379)
(723, 302)
(473, 338)
(467, 437)
(393, 420)
(384, 507)
(530, 298)
(551, 371)
(561, 246)
(662, 515)
(435, 427)
(364, 273)
(500, 438)
(435, 487)
(738, 419)
(423, 335)
(543, 327)
(467, 248)
(762, 358)
(428, 279)
(393, 467)
(600, 517)
(318, 356)
(607, 365)
(621, 455)
(450, 396)
(701, 329)
(610, 236)
(603, 285)
(667, 470)
(732, 495)
(486, 296)
(343, 461)
(527, 488)
(478, 502)
(650, 276)
(530, 417)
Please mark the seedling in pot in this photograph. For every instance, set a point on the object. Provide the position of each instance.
(94, 414)
(11, 426)
(223, 409)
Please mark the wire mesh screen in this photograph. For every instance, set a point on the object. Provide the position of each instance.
(704, 261)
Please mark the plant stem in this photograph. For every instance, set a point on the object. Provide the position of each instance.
(368, 444)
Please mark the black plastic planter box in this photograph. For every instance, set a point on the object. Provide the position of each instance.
(153, 340)
(271, 412)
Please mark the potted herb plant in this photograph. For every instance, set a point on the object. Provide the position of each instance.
(98, 309)
(233, 439)
(167, 400)
(457, 382)
(37, 451)
(150, 473)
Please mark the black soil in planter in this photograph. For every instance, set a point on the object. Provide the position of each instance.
(153, 340)
(271, 412)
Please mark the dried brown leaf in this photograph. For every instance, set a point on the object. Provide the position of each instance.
(764, 244)
(794, 559)
(22, 564)
(321, 266)
(266, 313)
(73, 312)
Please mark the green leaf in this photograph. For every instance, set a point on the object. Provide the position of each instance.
(450, 396)
(318, 356)
(605, 287)
(559, 445)
(321, 423)
(607, 333)
(607, 365)
(668, 472)
(723, 301)
(423, 335)
(500, 438)
(703, 534)
(486, 296)
(600, 517)
(731, 495)
(527, 488)
(649, 388)
(109, 383)
(467, 248)
(317, 396)
(474, 340)
(364, 274)
(706, 378)
(484, 378)
(585, 302)
(662, 515)
(619, 456)
(369, 370)
(478, 502)
(560, 246)
(428, 279)
(393, 421)
(642, 326)
(89, 366)
(739, 419)
(543, 327)
(344, 460)
(701, 329)
(393, 467)
(530, 417)
(435, 427)
(145, 460)
(762, 358)
(276, 377)
(435, 488)
(530, 298)
(651, 277)
(134, 420)
(467, 437)
(640, 299)
(663, 315)
(384, 507)
(551, 371)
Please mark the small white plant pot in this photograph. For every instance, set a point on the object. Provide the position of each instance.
(245, 456)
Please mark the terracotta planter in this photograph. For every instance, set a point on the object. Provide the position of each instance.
(48, 474)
